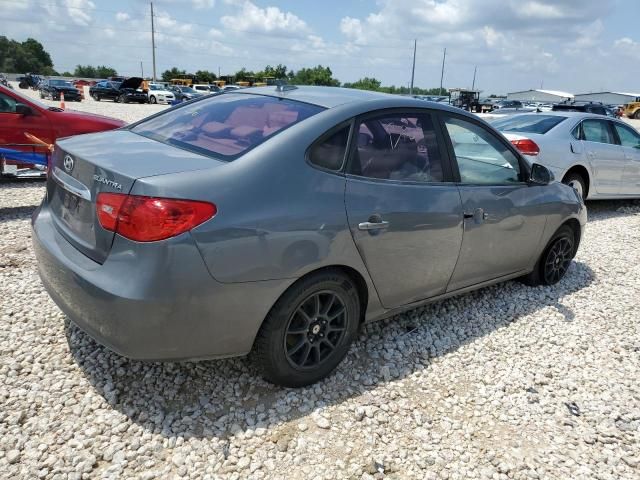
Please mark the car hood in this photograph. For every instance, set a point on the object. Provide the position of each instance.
(131, 82)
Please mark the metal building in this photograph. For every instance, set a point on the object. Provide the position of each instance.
(544, 96)
(609, 98)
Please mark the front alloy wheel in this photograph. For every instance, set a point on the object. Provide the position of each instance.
(558, 259)
(309, 330)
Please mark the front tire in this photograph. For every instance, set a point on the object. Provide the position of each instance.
(636, 115)
(555, 259)
(122, 99)
(578, 183)
(153, 100)
(309, 330)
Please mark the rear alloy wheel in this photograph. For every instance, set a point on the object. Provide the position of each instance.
(308, 331)
(122, 98)
(555, 259)
(152, 99)
(578, 183)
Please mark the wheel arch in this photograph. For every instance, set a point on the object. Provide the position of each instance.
(583, 172)
(574, 225)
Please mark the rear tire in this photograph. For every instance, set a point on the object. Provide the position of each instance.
(153, 100)
(309, 330)
(578, 183)
(555, 259)
(636, 115)
(122, 99)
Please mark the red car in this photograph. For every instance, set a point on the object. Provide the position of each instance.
(28, 128)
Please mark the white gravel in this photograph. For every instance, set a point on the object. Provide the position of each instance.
(509, 382)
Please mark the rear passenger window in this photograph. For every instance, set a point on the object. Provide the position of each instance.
(398, 147)
(596, 131)
(628, 136)
(329, 153)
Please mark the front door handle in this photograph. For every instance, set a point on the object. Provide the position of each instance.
(381, 225)
(478, 215)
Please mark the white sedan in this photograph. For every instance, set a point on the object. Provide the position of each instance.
(160, 94)
(596, 155)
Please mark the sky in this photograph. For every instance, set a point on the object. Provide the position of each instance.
(570, 45)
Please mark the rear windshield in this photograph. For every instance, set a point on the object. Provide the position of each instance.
(225, 125)
(528, 123)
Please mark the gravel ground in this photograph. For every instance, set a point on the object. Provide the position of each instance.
(507, 382)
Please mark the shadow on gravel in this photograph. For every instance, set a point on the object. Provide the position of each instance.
(16, 213)
(599, 210)
(216, 399)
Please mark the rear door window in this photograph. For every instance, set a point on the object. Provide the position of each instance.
(628, 136)
(398, 147)
(225, 126)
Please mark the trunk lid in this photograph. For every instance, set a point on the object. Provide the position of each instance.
(84, 166)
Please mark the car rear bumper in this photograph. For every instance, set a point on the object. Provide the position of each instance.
(153, 301)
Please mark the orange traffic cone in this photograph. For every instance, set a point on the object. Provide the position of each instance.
(62, 100)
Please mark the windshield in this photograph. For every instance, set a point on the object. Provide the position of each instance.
(225, 125)
(155, 87)
(116, 85)
(187, 90)
(528, 123)
(60, 83)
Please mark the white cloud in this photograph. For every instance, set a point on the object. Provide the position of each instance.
(269, 19)
(79, 11)
(202, 4)
(122, 16)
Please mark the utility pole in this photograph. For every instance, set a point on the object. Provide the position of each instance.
(473, 85)
(153, 43)
(444, 56)
(413, 68)
(141, 70)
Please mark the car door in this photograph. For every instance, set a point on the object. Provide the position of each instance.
(605, 158)
(503, 214)
(629, 140)
(403, 210)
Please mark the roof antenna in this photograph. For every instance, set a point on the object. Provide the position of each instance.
(281, 86)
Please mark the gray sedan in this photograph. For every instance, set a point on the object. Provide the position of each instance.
(275, 221)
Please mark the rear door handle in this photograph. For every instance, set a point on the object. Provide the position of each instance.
(373, 225)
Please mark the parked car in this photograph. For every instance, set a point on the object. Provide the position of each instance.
(22, 119)
(29, 81)
(125, 92)
(184, 93)
(160, 94)
(587, 107)
(202, 88)
(52, 89)
(507, 104)
(227, 88)
(257, 221)
(4, 81)
(598, 156)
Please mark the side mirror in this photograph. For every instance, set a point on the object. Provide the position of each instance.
(22, 109)
(540, 175)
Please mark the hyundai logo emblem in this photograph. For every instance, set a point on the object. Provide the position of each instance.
(68, 163)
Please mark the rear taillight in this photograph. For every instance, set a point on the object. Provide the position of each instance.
(526, 146)
(148, 219)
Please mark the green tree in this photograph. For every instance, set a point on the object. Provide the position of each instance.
(205, 76)
(167, 75)
(22, 57)
(366, 83)
(104, 72)
(243, 75)
(315, 76)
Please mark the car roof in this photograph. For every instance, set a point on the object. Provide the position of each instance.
(330, 97)
(568, 114)
(327, 97)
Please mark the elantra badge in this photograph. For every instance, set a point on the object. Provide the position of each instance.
(107, 182)
(68, 163)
